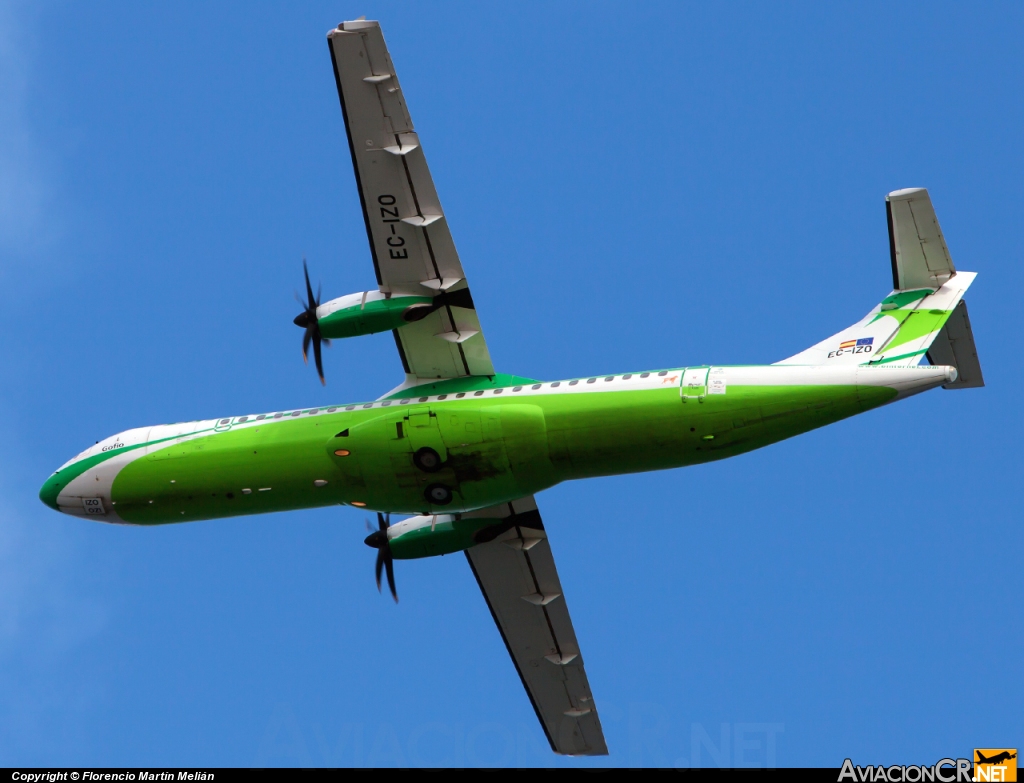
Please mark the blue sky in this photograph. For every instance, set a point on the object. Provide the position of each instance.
(630, 187)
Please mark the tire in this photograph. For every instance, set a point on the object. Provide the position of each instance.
(438, 495)
(427, 460)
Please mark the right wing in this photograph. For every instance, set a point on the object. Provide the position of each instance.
(516, 573)
(411, 245)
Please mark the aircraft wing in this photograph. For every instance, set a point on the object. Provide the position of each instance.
(411, 245)
(516, 573)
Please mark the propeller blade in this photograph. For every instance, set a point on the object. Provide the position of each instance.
(391, 577)
(309, 289)
(380, 565)
(317, 358)
(308, 320)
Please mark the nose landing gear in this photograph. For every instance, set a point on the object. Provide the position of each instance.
(427, 460)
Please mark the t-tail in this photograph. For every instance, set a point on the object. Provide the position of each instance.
(924, 316)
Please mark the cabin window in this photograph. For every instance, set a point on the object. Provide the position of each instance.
(460, 395)
(403, 402)
(350, 407)
(591, 380)
(498, 391)
(556, 384)
(261, 417)
(610, 378)
(297, 413)
(313, 411)
(368, 405)
(278, 415)
(386, 404)
(443, 397)
(517, 388)
(644, 374)
(573, 383)
(478, 393)
(243, 418)
(222, 421)
(424, 399)
(535, 386)
(331, 410)
(663, 372)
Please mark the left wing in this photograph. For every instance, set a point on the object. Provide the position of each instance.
(411, 245)
(516, 573)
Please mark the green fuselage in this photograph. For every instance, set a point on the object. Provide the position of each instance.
(495, 445)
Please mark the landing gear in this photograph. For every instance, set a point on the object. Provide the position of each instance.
(438, 495)
(427, 460)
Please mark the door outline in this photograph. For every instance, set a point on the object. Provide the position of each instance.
(693, 385)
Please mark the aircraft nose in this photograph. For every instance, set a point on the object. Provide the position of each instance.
(83, 485)
(51, 489)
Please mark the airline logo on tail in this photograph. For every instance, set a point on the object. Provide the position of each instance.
(995, 764)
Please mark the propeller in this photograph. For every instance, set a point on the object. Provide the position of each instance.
(307, 320)
(378, 539)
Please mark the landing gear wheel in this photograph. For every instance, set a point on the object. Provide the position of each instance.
(427, 460)
(438, 495)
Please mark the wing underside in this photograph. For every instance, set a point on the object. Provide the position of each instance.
(411, 245)
(517, 576)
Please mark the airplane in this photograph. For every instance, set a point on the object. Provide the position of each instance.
(465, 449)
(996, 759)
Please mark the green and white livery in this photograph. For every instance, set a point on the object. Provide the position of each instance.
(463, 450)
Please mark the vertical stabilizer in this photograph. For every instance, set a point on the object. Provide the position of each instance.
(924, 315)
(954, 346)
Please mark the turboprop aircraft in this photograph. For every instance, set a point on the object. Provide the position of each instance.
(465, 449)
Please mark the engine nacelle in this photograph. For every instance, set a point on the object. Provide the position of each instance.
(370, 312)
(443, 534)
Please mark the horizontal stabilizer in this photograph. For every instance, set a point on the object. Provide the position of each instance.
(917, 249)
